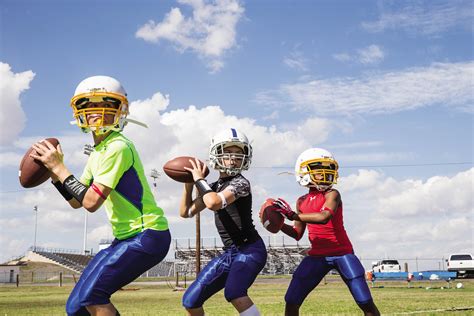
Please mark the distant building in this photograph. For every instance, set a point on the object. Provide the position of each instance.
(9, 272)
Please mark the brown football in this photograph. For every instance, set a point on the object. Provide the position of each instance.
(32, 172)
(270, 218)
(175, 169)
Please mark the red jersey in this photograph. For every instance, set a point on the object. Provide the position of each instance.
(328, 239)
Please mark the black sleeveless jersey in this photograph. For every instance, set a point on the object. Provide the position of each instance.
(234, 222)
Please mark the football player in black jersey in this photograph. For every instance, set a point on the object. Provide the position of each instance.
(230, 198)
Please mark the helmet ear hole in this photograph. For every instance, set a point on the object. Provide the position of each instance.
(305, 180)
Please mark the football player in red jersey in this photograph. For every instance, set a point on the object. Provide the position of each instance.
(321, 210)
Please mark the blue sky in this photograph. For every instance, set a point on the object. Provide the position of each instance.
(376, 82)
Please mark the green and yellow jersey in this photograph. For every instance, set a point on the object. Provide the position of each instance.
(131, 207)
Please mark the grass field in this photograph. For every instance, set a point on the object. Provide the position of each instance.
(333, 298)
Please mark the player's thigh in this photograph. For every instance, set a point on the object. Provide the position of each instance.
(73, 304)
(352, 272)
(128, 260)
(305, 278)
(208, 282)
(139, 255)
(246, 266)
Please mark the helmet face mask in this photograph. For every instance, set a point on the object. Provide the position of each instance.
(317, 168)
(100, 96)
(218, 155)
(104, 124)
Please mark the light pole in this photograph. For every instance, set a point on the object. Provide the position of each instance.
(154, 174)
(84, 244)
(198, 243)
(88, 149)
(35, 209)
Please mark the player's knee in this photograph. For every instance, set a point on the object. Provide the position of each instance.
(231, 293)
(360, 291)
(95, 297)
(77, 311)
(74, 307)
(192, 297)
(292, 299)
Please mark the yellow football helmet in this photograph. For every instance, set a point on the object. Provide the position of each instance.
(316, 167)
(100, 90)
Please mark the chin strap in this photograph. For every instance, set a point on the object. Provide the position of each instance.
(129, 120)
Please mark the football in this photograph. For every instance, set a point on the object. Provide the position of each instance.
(32, 172)
(270, 218)
(175, 169)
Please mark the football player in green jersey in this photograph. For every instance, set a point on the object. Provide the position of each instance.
(113, 177)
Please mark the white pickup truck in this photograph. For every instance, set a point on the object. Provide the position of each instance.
(386, 265)
(462, 263)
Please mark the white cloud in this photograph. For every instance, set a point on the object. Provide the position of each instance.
(448, 84)
(426, 19)
(372, 54)
(96, 235)
(12, 116)
(11, 246)
(210, 32)
(357, 145)
(409, 217)
(10, 159)
(188, 132)
(342, 57)
(296, 61)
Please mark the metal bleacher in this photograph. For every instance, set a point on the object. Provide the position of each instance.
(284, 254)
(69, 259)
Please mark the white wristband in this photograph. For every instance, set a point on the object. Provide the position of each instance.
(224, 202)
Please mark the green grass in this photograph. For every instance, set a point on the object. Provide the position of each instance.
(327, 299)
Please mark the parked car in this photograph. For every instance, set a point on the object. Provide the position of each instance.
(462, 263)
(386, 265)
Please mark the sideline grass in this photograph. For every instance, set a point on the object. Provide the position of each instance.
(332, 298)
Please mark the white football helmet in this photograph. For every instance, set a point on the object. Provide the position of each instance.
(316, 167)
(226, 138)
(99, 89)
